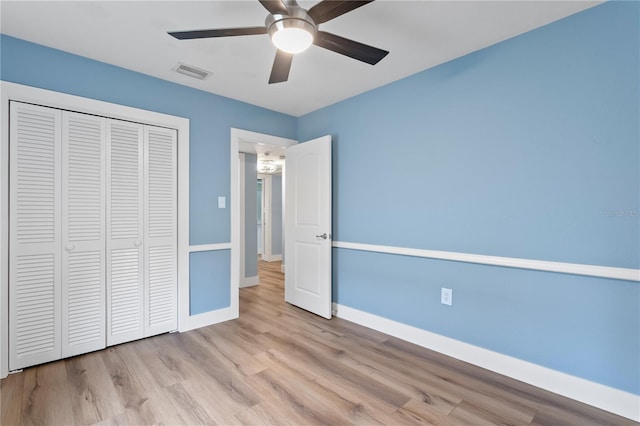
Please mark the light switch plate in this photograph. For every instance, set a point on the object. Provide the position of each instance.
(446, 296)
(222, 203)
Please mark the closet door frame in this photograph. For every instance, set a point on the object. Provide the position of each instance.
(13, 91)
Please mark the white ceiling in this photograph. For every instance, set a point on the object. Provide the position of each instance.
(132, 35)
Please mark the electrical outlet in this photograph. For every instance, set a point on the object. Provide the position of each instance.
(446, 296)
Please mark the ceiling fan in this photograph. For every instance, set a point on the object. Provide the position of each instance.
(293, 29)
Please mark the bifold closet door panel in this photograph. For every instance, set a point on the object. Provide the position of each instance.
(124, 257)
(83, 233)
(160, 171)
(35, 235)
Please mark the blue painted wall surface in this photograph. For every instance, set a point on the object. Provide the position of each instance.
(211, 118)
(208, 267)
(276, 214)
(250, 215)
(527, 149)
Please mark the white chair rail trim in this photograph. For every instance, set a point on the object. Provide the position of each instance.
(509, 262)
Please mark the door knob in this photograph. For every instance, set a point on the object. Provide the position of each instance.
(137, 243)
(323, 236)
(69, 247)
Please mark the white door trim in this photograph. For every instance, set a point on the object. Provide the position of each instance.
(240, 137)
(19, 92)
(267, 217)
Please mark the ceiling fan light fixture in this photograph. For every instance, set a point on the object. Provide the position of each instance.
(292, 40)
(291, 33)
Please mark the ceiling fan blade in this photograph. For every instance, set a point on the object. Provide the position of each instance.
(275, 7)
(328, 9)
(281, 67)
(224, 32)
(353, 49)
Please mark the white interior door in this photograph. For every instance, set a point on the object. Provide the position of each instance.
(125, 296)
(83, 233)
(35, 235)
(308, 226)
(161, 230)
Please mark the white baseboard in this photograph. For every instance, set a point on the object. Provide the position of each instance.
(249, 281)
(282, 268)
(272, 258)
(210, 318)
(604, 397)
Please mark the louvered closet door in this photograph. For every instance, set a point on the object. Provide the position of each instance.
(160, 230)
(83, 233)
(35, 235)
(125, 302)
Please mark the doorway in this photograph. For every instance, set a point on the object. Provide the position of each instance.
(270, 200)
(245, 142)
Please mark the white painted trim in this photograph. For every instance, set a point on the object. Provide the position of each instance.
(243, 215)
(210, 318)
(4, 232)
(183, 230)
(209, 247)
(250, 281)
(601, 396)
(266, 215)
(272, 258)
(237, 137)
(509, 262)
(282, 268)
(19, 92)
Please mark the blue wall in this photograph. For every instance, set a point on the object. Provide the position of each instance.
(210, 116)
(276, 214)
(527, 149)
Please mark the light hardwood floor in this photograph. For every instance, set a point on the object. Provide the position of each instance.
(278, 365)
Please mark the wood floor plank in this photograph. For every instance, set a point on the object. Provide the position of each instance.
(326, 359)
(270, 413)
(241, 336)
(314, 403)
(469, 413)
(360, 354)
(128, 381)
(243, 361)
(217, 369)
(11, 399)
(478, 387)
(93, 396)
(46, 397)
(176, 367)
(158, 408)
(417, 411)
(578, 414)
(215, 401)
(187, 406)
(160, 355)
(360, 403)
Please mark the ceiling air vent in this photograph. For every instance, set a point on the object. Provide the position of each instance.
(192, 71)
